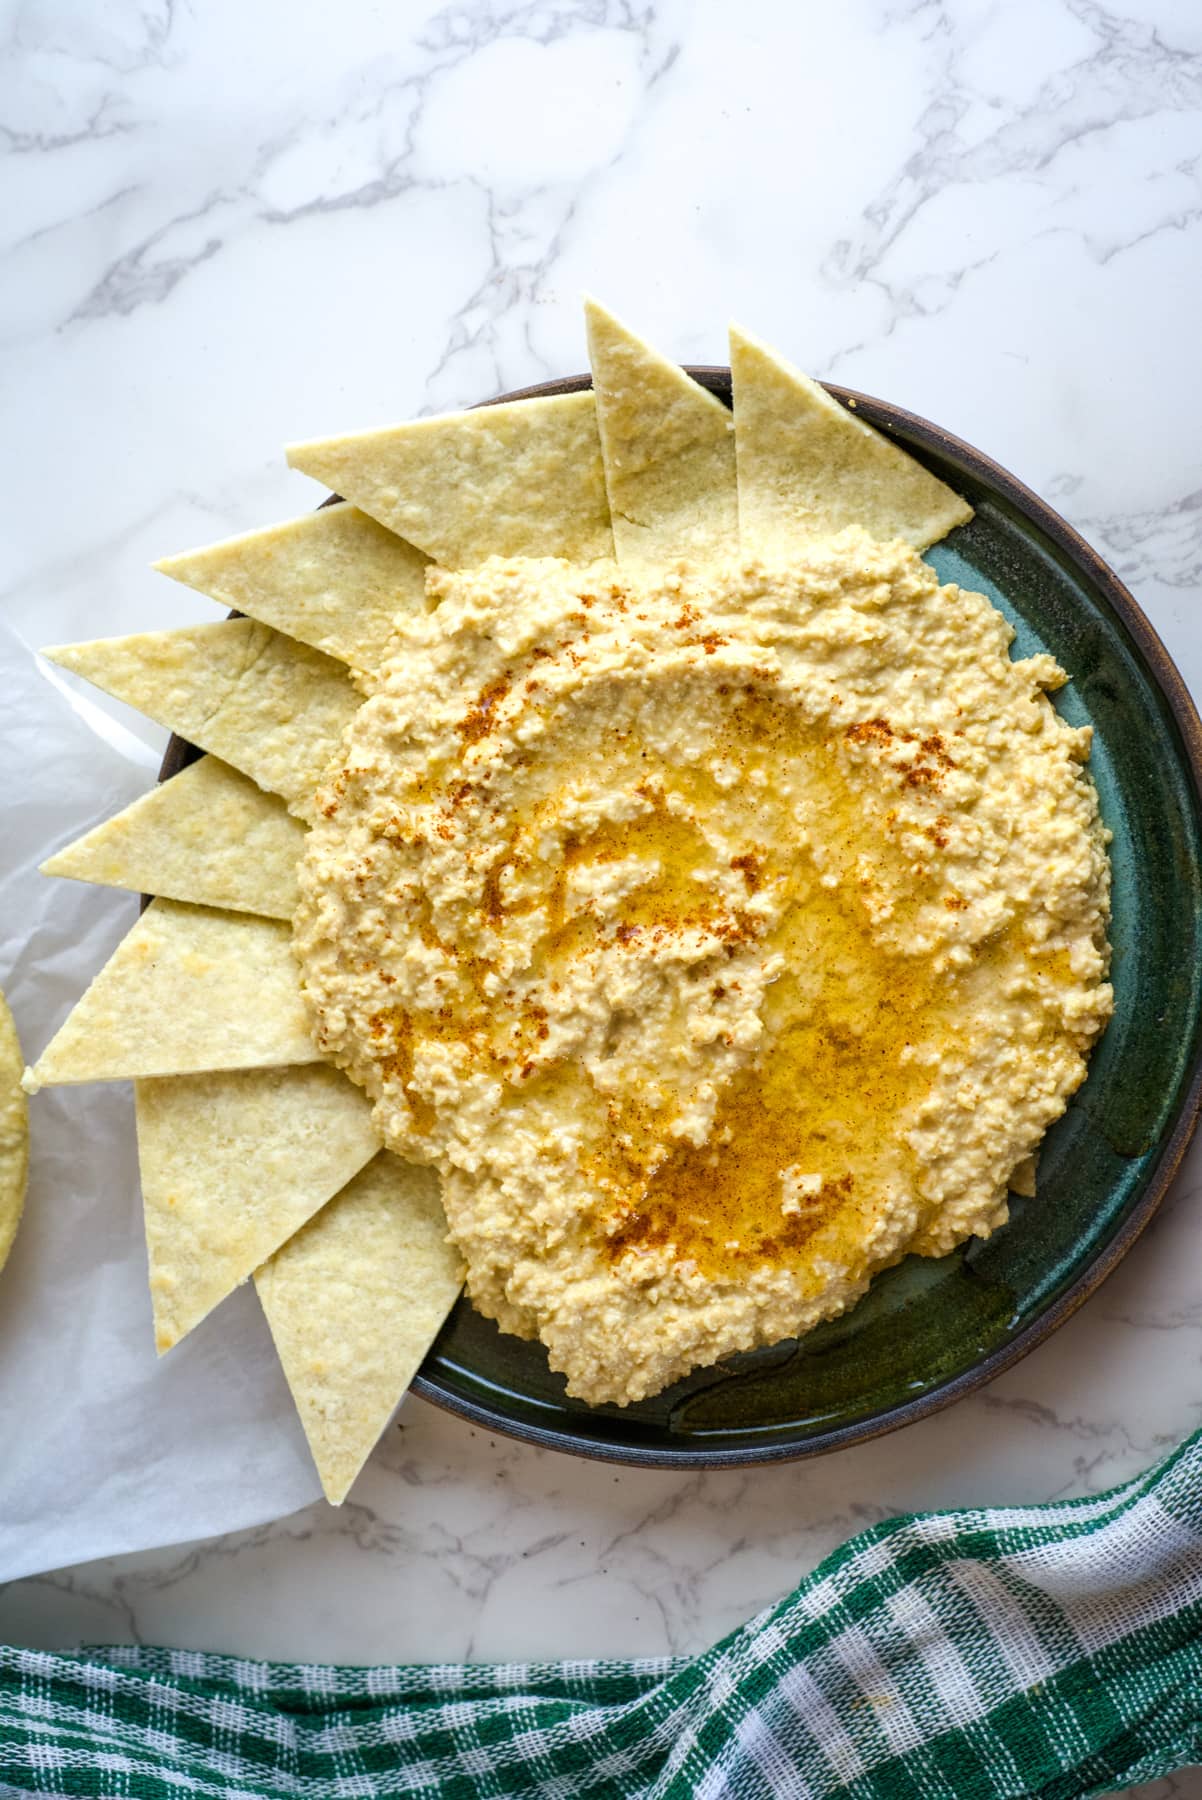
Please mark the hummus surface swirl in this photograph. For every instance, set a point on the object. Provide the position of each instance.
(721, 939)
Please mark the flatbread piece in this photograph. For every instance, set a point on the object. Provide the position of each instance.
(189, 989)
(521, 479)
(808, 467)
(272, 707)
(209, 836)
(14, 1133)
(335, 579)
(232, 1164)
(669, 452)
(354, 1302)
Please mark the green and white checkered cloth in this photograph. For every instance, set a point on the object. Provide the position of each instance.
(1045, 1650)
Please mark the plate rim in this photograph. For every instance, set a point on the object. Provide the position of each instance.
(884, 415)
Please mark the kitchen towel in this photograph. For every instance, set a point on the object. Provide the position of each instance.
(1040, 1650)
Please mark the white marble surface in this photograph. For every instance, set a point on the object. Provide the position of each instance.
(228, 226)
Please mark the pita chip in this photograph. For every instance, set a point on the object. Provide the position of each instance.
(272, 707)
(232, 1164)
(188, 989)
(335, 579)
(521, 479)
(208, 836)
(354, 1302)
(669, 452)
(808, 467)
(14, 1133)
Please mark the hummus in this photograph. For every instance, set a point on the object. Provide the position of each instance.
(720, 938)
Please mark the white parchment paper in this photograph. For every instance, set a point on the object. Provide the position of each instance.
(104, 1447)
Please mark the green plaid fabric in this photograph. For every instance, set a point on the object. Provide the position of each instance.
(1049, 1650)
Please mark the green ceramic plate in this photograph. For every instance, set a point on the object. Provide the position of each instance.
(929, 1332)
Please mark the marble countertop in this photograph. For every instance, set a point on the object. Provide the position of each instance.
(230, 226)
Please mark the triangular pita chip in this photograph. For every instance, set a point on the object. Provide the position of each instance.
(232, 1165)
(14, 1132)
(187, 990)
(521, 479)
(208, 835)
(354, 1302)
(669, 451)
(274, 708)
(334, 579)
(808, 467)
